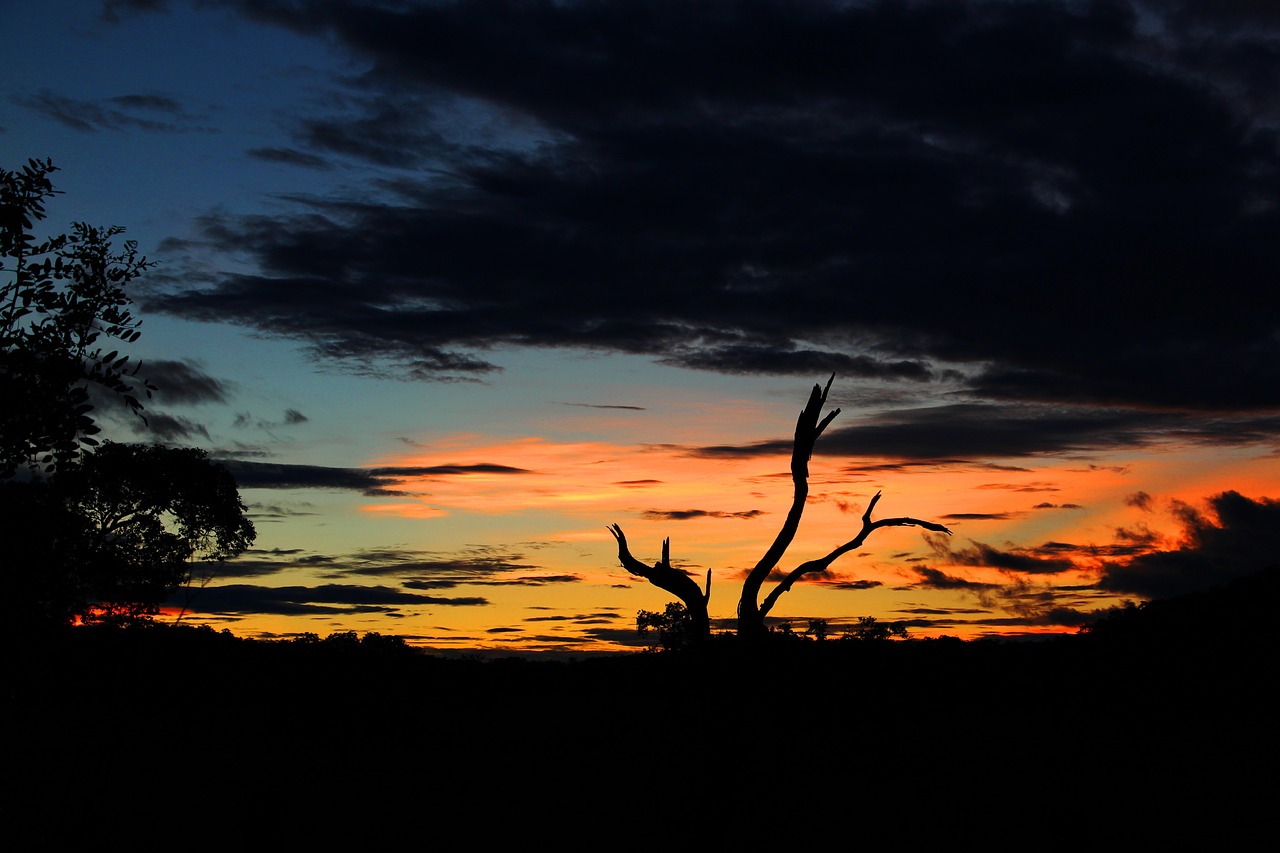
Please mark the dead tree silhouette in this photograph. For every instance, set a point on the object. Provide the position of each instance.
(674, 581)
(751, 611)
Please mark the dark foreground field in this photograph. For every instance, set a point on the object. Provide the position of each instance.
(1160, 731)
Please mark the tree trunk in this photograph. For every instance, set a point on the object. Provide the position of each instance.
(751, 613)
(674, 581)
(808, 428)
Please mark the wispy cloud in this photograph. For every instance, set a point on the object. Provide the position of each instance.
(367, 481)
(154, 113)
(687, 514)
(314, 600)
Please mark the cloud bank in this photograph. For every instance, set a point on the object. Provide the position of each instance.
(1033, 203)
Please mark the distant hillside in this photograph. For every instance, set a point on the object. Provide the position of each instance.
(1242, 611)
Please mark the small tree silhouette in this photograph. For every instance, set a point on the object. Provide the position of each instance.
(751, 611)
(110, 536)
(672, 627)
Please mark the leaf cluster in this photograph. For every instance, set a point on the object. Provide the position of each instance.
(63, 308)
(672, 629)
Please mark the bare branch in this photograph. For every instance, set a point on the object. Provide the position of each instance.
(629, 562)
(823, 563)
(673, 580)
(810, 425)
(808, 428)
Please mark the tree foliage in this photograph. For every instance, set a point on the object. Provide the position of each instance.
(63, 308)
(100, 532)
(112, 535)
(673, 629)
(870, 629)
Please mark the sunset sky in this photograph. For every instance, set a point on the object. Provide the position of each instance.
(452, 286)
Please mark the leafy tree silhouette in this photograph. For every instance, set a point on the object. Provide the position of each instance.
(673, 627)
(103, 534)
(751, 610)
(59, 299)
(112, 535)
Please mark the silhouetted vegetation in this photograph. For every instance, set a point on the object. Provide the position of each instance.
(672, 629)
(1240, 613)
(113, 534)
(93, 532)
(124, 727)
(752, 613)
(60, 299)
(312, 737)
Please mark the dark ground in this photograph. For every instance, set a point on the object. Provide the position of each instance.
(1159, 729)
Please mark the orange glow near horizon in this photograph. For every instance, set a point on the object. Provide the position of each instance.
(551, 499)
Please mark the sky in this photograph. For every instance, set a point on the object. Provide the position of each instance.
(450, 287)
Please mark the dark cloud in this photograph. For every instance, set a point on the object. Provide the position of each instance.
(585, 619)
(486, 565)
(184, 382)
(1236, 536)
(124, 112)
(247, 565)
(306, 600)
(853, 585)
(272, 475)
(115, 10)
(409, 569)
(1030, 603)
(1232, 536)
(167, 428)
(368, 481)
(289, 156)
(1006, 199)
(961, 433)
(1020, 487)
(688, 514)
(603, 406)
(930, 578)
(1141, 500)
(534, 580)
(388, 129)
(276, 512)
(153, 103)
(985, 556)
(1139, 536)
(183, 385)
(619, 636)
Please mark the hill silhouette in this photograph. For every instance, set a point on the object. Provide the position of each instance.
(1241, 611)
(1158, 721)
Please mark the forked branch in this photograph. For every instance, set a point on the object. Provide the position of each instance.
(664, 576)
(808, 428)
(823, 563)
